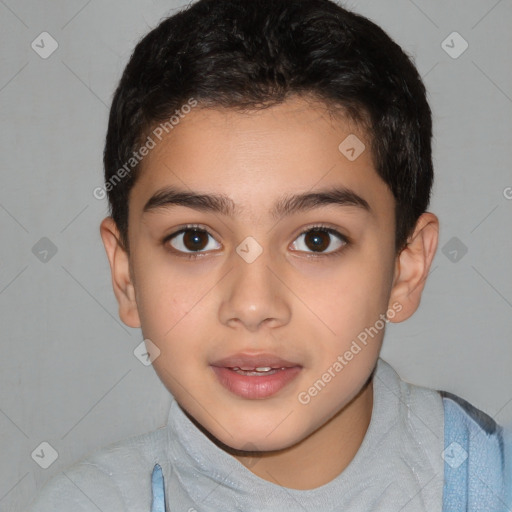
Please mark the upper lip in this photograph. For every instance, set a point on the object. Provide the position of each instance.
(251, 361)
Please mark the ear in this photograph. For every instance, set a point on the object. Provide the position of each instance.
(121, 276)
(412, 267)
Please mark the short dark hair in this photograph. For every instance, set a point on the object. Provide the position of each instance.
(252, 54)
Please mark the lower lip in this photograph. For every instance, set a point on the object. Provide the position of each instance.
(254, 387)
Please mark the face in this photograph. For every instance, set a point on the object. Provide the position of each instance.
(280, 288)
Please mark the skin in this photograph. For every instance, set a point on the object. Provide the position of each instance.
(299, 304)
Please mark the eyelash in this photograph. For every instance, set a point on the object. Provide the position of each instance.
(320, 227)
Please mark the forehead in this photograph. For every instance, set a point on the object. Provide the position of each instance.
(256, 158)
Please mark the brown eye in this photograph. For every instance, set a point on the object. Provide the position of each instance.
(318, 240)
(195, 240)
(190, 240)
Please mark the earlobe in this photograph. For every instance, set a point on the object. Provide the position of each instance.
(413, 265)
(120, 269)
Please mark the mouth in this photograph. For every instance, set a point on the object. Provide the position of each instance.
(255, 376)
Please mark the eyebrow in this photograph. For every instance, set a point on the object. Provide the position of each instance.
(286, 205)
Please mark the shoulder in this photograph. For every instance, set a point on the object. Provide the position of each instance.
(473, 417)
(472, 432)
(419, 409)
(477, 457)
(411, 426)
(114, 478)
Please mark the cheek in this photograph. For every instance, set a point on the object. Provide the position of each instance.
(351, 299)
(164, 299)
(174, 310)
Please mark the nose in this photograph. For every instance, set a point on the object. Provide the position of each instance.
(254, 295)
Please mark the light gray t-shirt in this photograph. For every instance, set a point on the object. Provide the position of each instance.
(398, 467)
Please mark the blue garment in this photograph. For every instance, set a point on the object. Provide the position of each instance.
(477, 469)
(158, 489)
(477, 455)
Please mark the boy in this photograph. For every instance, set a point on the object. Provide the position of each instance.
(268, 165)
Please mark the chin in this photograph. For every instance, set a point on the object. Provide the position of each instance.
(250, 444)
(256, 438)
(253, 426)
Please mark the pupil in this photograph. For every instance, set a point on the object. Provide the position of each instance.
(192, 240)
(318, 243)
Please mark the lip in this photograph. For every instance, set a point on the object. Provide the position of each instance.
(255, 386)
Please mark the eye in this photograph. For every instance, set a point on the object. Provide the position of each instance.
(318, 239)
(190, 240)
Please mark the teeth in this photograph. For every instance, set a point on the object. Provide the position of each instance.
(261, 369)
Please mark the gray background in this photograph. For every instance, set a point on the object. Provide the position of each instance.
(68, 373)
